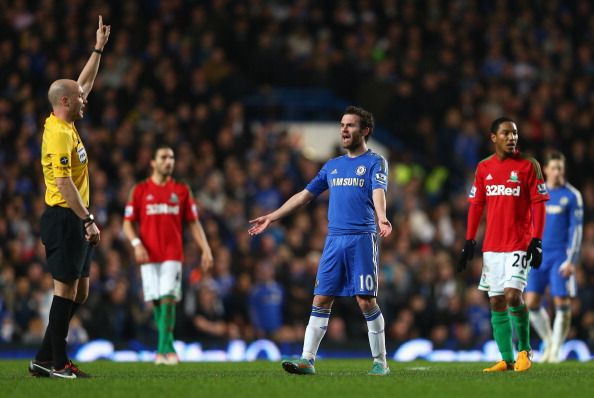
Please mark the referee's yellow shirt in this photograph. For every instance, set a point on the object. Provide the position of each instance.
(63, 155)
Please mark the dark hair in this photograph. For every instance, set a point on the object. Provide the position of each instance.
(158, 148)
(365, 118)
(497, 122)
(554, 155)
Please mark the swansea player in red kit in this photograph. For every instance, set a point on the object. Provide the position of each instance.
(159, 205)
(510, 185)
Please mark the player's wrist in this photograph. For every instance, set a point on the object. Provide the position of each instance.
(136, 242)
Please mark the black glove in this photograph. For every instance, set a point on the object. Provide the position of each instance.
(466, 255)
(534, 253)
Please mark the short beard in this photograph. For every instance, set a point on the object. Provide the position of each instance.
(354, 145)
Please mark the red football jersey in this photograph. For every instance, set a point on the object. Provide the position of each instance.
(508, 188)
(159, 211)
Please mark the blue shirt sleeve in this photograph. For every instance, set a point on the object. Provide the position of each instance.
(320, 183)
(379, 174)
(576, 215)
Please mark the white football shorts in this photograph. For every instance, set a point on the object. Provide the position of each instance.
(504, 270)
(161, 279)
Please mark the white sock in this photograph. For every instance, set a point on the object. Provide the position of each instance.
(561, 326)
(377, 336)
(315, 331)
(541, 322)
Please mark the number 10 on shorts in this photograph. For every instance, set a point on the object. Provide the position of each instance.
(366, 282)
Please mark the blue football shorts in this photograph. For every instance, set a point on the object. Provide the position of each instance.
(548, 273)
(349, 266)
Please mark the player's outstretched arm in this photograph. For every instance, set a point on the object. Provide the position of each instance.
(379, 204)
(261, 223)
(89, 72)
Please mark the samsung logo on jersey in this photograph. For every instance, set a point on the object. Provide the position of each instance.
(347, 182)
(554, 209)
(161, 208)
(502, 190)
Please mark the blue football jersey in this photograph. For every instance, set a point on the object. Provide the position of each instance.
(564, 218)
(351, 182)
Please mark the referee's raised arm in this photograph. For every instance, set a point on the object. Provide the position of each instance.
(89, 72)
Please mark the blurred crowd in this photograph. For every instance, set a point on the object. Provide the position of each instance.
(435, 74)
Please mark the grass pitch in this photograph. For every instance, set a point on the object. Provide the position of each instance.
(334, 378)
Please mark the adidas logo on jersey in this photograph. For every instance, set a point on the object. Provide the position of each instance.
(502, 190)
(334, 171)
(489, 177)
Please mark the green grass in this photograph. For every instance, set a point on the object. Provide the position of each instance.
(335, 378)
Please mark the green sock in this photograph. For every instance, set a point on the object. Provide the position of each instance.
(502, 332)
(521, 321)
(168, 323)
(158, 315)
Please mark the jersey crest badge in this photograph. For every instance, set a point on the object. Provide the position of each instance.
(361, 170)
(173, 198)
(513, 177)
(564, 201)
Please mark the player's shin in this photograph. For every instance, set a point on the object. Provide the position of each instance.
(168, 317)
(377, 336)
(315, 331)
(541, 322)
(502, 332)
(520, 319)
(157, 311)
(560, 330)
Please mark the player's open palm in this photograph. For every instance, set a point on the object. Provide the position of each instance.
(385, 228)
(260, 224)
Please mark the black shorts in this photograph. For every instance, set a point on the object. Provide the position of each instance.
(68, 252)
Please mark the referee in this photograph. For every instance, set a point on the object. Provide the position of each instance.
(68, 229)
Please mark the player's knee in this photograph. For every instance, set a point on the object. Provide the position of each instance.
(366, 303)
(513, 297)
(532, 302)
(498, 303)
(323, 301)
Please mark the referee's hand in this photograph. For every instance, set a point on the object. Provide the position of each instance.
(466, 255)
(92, 234)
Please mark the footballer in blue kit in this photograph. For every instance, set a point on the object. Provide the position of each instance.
(561, 248)
(357, 183)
